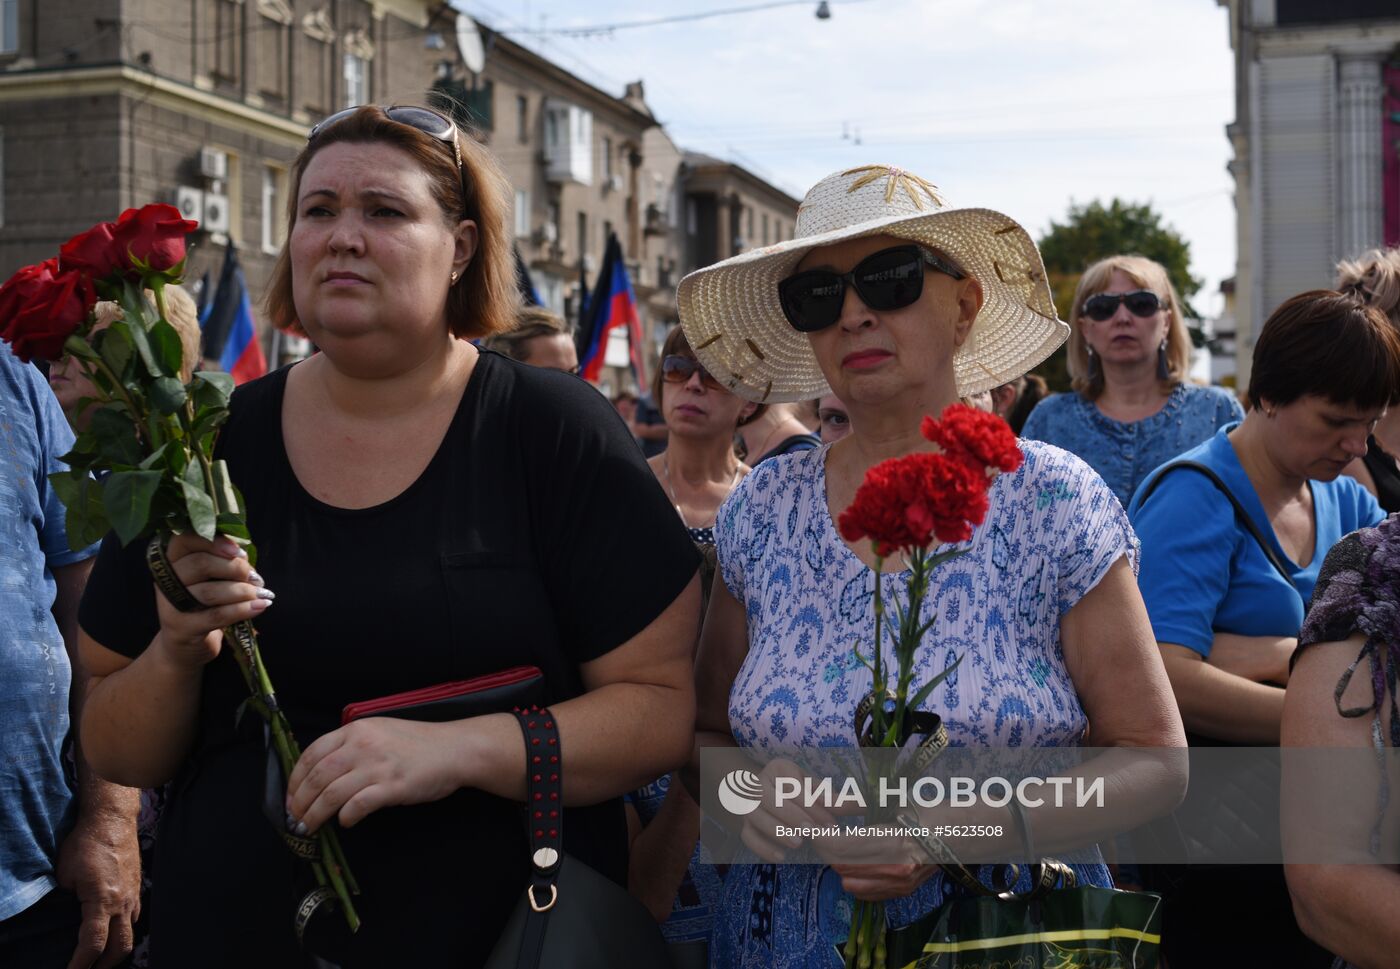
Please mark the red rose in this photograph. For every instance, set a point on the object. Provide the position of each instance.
(153, 235)
(41, 307)
(904, 503)
(93, 253)
(974, 435)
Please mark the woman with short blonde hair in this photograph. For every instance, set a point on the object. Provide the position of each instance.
(1132, 408)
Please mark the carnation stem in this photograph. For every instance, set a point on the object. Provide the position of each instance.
(879, 727)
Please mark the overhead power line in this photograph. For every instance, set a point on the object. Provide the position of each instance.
(591, 30)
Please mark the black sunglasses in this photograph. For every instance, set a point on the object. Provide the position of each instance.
(676, 369)
(886, 280)
(426, 120)
(1142, 302)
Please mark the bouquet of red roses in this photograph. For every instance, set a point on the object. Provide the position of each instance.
(153, 435)
(901, 507)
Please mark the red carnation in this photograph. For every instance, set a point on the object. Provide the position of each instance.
(905, 502)
(976, 436)
(152, 237)
(93, 253)
(41, 307)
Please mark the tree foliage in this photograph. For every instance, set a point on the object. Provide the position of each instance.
(1095, 231)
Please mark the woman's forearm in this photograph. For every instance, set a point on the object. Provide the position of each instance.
(1221, 705)
(1259, 659)
(1351, 910)
(614, 739)
(139, 722)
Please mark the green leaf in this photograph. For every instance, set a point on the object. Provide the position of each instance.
(168, 349)
(226, 497)
(66, 485)
(142, 341)
(233, 526)
(126, 497)
(167, 395)
(78, 347)
(206, 420)
(197, 502)
(115, 436)
(85, 520)
(931, 685)
(211, 388)
(114, 344)
(155, 457)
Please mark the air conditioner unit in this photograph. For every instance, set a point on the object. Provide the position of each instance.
(213, 163)
(190, 201)
(216, 213)
(614, 183)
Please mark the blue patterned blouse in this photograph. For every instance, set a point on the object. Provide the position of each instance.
(1124, 454)
(1052, 533)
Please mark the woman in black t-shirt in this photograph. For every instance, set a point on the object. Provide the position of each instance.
(427, 513)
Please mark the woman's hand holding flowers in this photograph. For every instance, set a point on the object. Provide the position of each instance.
(221, 579)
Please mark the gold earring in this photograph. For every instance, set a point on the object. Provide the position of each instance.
(454, 276)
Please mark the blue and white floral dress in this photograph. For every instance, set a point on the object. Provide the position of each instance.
(1053, 531)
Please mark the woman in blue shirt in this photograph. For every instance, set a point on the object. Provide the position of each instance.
(1131, 409)
(1226, 604)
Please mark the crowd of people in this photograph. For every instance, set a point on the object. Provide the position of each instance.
(437, 497)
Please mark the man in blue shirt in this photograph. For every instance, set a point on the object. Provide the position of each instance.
(69, 866)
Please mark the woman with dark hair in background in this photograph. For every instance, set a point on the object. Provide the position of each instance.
(1131, 408)
(405, 493)
(1374, 278)
(1227, 582)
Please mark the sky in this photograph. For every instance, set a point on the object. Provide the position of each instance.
(1024, 106)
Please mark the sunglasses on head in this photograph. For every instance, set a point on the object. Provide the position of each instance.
(676, 369)
(1142, 302)
(886, 280)
(426, 120)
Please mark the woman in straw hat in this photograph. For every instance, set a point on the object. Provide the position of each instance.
(899, 304)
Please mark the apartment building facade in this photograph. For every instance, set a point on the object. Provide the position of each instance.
(106, 104)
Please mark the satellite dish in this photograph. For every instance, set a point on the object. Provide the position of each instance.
(469, 44)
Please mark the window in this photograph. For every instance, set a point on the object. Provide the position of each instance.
(9, 26)
(228, 39)
(274, 35)
(522, 213)
(607, 158)
(274, 194)
(522, 118)
(555, 219)
(356, 80)
(748, 220)
(568, 143)
(583, 234)
(607, 231)
(765, 228)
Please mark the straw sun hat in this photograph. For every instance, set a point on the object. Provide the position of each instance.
(732, 317)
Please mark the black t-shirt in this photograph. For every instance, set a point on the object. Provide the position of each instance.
(536, 535)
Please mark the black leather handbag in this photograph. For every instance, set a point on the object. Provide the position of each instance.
(571, 917)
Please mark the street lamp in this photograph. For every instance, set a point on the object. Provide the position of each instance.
(823, 11)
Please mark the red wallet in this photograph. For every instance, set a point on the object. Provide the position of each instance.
(501, 692)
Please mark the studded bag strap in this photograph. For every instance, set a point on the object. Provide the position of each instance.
(544, 814)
